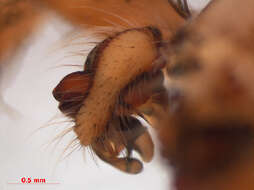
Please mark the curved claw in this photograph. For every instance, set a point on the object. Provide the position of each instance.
(124, 133)
(144, 146)
(108, 151)
(138, 139)
(126, 164)
(129, 165)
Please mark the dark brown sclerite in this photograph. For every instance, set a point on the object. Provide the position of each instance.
(140, 90)
(74, 88)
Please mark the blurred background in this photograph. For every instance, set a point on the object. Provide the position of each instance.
(30, 121)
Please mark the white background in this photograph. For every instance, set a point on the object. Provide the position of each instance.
(26, 104)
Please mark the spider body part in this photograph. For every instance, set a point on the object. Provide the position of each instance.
(90, 97)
